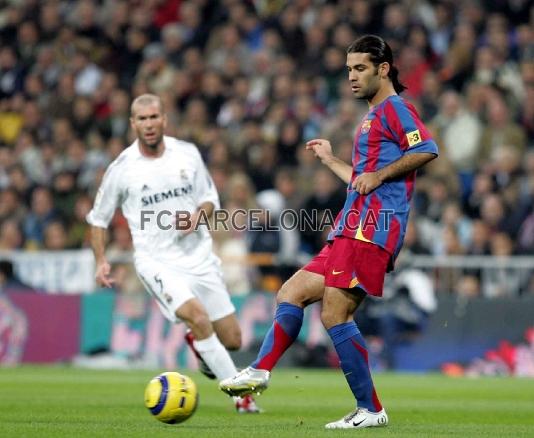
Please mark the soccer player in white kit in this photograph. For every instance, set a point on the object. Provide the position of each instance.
(152, 181)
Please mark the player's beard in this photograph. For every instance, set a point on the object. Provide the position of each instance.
(369, 92)
(152, 145)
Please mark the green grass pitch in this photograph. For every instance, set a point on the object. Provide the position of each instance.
(67, 402)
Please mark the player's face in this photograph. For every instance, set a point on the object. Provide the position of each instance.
(149, 122)
(363, 75)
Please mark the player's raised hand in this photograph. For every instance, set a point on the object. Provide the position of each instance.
(103, 270)
(322, 149)
(366, 183)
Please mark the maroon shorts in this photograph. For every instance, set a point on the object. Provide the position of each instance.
(347, 263)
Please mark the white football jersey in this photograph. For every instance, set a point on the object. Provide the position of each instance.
(150, 192)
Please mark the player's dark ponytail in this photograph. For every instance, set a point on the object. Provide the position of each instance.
(379, 51)
(394, 76)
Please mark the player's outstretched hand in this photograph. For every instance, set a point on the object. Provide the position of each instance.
(103, 270)
(366, 183)
(322, 149)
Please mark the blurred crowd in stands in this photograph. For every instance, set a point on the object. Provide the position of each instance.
(249, 82)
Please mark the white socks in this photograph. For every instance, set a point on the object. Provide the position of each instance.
(216, 357)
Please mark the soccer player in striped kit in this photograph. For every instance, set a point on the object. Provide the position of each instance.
(390, 144)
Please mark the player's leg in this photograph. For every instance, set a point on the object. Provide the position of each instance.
(306, 286)
(202, 365)
(355, 268)
(212, 292)
(301, 289)
(228, 331)
(206, 342)
(337, 316)
(174, 295)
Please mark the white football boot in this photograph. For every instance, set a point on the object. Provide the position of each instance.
(360, 418)
(248, 381)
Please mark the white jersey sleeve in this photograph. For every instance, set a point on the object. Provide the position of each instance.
(206, 190)
(108, 198)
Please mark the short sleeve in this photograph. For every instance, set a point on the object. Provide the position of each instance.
(108, 198)
(408, 129)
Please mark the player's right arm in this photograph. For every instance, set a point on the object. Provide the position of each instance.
(103, 268)
(107, 200)
(323, 150)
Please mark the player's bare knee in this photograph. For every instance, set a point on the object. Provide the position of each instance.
(287, 294)
(330, 318)
(232, 340)
(199, 323)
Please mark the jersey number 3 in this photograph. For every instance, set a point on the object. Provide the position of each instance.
(413, 137)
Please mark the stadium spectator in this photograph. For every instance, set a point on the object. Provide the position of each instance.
(20, 182)
(77, 228)
(412, 240)
(501, 282)
(453, 216)
(322, 206)
(121, 245)
(500, 129)
(11, 71)
(55, 237)
(480, 238)
(87, 75)
(11, 237)
(483, 185)
(493, 212)
(462, 150)
(115, 123)
(11, 205)
(173, 40)
(11, 120)
(42, 213)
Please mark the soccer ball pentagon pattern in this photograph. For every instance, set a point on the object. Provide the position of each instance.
(171, 397)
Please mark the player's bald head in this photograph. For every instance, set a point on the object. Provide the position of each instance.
(146, 100)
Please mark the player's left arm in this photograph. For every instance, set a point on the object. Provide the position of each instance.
(414, 141)
(200, 216)
(367, 182)
(207, 208)
(207, 197)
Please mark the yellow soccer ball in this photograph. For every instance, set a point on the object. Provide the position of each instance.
(171, 397)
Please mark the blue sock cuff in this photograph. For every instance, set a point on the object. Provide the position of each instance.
(289, 309)
(341, 332)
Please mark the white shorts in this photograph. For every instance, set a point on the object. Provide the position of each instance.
(171, 288)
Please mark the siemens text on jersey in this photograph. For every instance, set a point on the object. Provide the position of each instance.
(162, 196)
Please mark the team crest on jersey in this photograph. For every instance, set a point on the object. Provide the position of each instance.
(183, 175)
(366, 126)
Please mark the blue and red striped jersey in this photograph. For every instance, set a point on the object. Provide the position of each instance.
(388, 131)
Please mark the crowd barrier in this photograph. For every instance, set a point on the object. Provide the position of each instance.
(51, 328)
